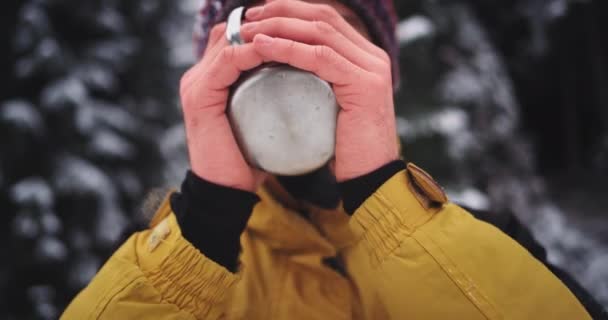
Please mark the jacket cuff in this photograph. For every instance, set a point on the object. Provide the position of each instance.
(212, 218)
(179, 271)
(356, 191)
(402, 204)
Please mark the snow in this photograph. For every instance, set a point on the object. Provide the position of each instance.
(114, 116)
(147, 8)
(85, 115)
(129, 183)
(107, 144)
(32, 191)
(50, 223)
(173, 149)
(25, 226)
(470, 197)
(449, 121)
(557, 8)
(96, 76)
(180, 44)
(79, 239)
(598, 269)
(461, 86)
(49, 248)
(24, 39)
(22, 114)
(42, 297)
(404, 127)
(95, 116)
(567, 245)
(111, 20)
(25, 67)
(75, 175)
(69, 91)
(82, 270)
(114, 51)
(110, 224)
(414, 28)
(48, 48)
(33, 14)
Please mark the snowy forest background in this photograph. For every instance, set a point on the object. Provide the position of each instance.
(504, 102)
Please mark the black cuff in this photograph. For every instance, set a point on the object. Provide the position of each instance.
(357, 190)
(212, 218)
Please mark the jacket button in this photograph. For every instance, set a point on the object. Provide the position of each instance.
(425, 186)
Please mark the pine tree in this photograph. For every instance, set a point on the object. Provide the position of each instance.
(502, 102)
(91, 93)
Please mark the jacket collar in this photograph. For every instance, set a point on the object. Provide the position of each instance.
(287, 224)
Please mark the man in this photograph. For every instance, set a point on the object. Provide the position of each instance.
(395, 249)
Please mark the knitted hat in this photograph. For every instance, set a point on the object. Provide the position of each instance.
(378, 15)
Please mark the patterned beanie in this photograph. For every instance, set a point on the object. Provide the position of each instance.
(379, 17)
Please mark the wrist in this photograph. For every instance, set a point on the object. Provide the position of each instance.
(226, 177)
(212, 217)
(355, 191)
(359, 152)
(356, 165)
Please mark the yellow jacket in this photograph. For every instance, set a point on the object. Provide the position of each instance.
(404, 258)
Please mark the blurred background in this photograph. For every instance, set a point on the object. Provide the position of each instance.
(504, 102)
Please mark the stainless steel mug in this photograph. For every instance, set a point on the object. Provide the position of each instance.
(284, 118)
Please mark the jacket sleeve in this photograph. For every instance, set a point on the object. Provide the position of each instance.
(420, 257)
(155, 274)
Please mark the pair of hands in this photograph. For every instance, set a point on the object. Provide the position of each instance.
(310, 37)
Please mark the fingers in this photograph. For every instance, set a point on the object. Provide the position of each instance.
(218, 31)
(214, 45)
(319, 59)
(217, 40)
(314, 12)
(230, 62)
(304, 31)
(220, 72)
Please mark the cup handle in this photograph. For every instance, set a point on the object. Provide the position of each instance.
(233, 26)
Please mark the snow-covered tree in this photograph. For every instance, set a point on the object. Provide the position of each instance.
(92, 90)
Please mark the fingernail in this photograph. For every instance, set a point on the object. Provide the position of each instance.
(254, 12)
(263, 39)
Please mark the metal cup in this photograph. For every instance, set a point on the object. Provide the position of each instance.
(283, 118)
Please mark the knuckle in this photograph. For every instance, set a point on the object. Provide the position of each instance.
(185, 98)
(385, 57)
(377, 82)
(187, 93)
(380, 53)
(282, 3)
(383, 67)
(290, 49)
(274, 24)
(327, 13)
(184, 82)
(217, 31)
(323, 52)
(228, 54)
(388, 74)
(276, 7)
(290, 45)
(324, 27)
(319, 52)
